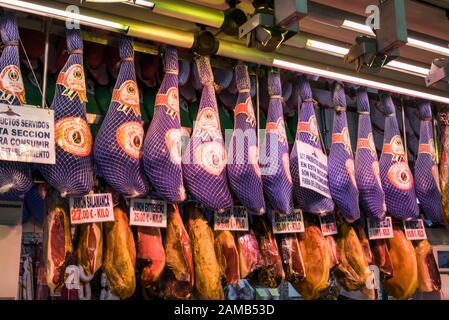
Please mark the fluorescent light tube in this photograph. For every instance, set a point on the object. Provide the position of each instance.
(407, 68)
(357, 80)
(36, 8)
(326, 47)
(359, 27)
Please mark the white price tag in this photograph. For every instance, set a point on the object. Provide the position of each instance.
(235, 219)
(312, 164)
(27, 134)
(148, 213)
(288, 223)
(415, 230)
(380, 229)
(328, 224)
(91, 208)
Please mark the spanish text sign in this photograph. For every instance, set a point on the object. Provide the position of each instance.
(312, 165)
(235, 219)
(148, 213)
(380, 229)
(328, 224)
(27, 134)
(415, 230)
(92, 208)
(288, 223)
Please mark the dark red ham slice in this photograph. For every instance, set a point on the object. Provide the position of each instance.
(119, 142)
(342, 182)
(162, 148)
(250, 259)
(427, 183)
(243, 154)
(15, 177)
(204, 160)
(396, 177)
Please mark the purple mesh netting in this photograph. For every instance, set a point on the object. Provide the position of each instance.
(306, 199)
(73, 172)
(184, 72)
(243, 154)
(372, 197)
(222, 78)
(342, 182)
(118, 146)
(277, 181)
(162, 149)
(286, 89)
(395, 174)
(15, 177)
(204, 160)
(426, 169)
(253, 80)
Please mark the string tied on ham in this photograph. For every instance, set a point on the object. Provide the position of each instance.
(11, 43)
(222, 78)
(206, 76)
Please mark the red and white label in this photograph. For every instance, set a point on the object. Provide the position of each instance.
(235, 219)
(170, 101)
(74, 82)
(207, 125)
(247, 109)
(92, 208)
(414, 229)
(400, 176)
(395, 148)
(288, 223)
(148, 213)
(367, 143)
(128, 98)
(428, 148)
(73, 135)
(11, 84)
(380, 229)
(173, 141)
(211, 156)
(130, 138)
(310, 127)
(343, 138)
(328, 224)
(278, 128)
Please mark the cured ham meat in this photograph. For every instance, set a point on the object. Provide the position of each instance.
(250, 259)
(427, 181)
(307, 132)
(291, 257)
(272, 272)
(151, 252)
(228, 257)
(381, 257)
(342, 182)
(73, 172)
(367, 176)
(404, 282)
(15, 177)
(89, 250)
(317, 261)
(119, 256)
(207, 270)
(162, 148)
(243, 154)
(429, 279)
(178, 278)
(57, 240)
(333, 250)
(204, 161)
(119, 142)
(395, 174)
(277, 180)
(352, 272)
(443, 123)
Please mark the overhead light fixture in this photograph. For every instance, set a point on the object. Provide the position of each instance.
(412, 42)
(57, 13)
(142, 3)
(341, 52)
(357, 80)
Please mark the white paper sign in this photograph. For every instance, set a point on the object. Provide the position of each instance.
(415, 230)
(148, 213)
(312, 165)
(328, 224)
(27, 134)
(235, 219)
(92, 208)
(288, 223)
(380, 229)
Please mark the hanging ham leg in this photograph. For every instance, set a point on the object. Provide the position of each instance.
(207, 270)
(178, 277)
(227, 256)
(120, 255)
(250, 259)
(428, 275)
(89, 251)
(443, 122)
(333, 250)
(381, 257)
(151, 251)
(291, 257)
(58, 243)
